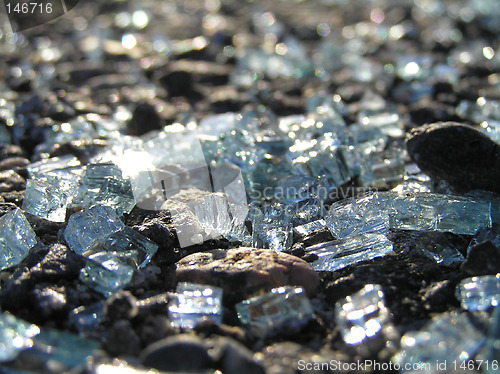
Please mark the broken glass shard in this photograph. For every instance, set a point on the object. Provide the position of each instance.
(326, 105)
(413, 213)
(458, 215)
(106, 272)
(338, 254)
(414, 67)
(103, 183)
(437, 247)
(328, 163)
(54, 165)
(283, 306)
(461, 215)
(479, 293)
(90, 226)
(213, 127)
(386, 119)
(356, 216)
(383, 169)
(131, 246)
(16, 238)
(272, 227)
(310, 227)
(447, 337)
(86, 319)
(49, 197)
(77, 129)
(58, 351)
(491, 351)
(492, 130)
(363, 315)
(15, 336)
(193, 302)
(220, 217)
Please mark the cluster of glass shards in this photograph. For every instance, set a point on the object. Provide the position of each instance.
(193, 302)
(449, 337)
(113, 251)
(283, 306)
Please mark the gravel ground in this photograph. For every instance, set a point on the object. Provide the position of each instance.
(80, 64)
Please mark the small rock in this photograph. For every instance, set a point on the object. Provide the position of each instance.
(122, 339)
(459, 154)
(13, 163)
(233, 357)
(49, 302)
(483, 259)
(244, 271)
(11, 181)
(145, 118)
(59, 263)
(177, 353)
(123, 305)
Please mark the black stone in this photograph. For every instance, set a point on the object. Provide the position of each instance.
(145, 118)
(458, 154)
(177, 353)
(233, 357)
(483, 259)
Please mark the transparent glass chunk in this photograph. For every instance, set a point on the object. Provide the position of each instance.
(328, 163)
(16, 238)
(412, 213)
(414, 67)
(77, 129)
(326, 105)
(437, 247)
(491, 129)
(193, 302)
(86, 319)
(448, 336)
(220, 217)
(479, 293)
(338, 254)
(103, 183)
(15, 336)
(106, 272)
(213, 127)
(491, 351)
(134, 248)
(387, 119)
(383, 169)
(356, 216)
(283, 306)
(362, 315)
(90, 226)
(428, 211)
(58, 349)
(462, 215)
(271, 227)
(48, 198)
(309, 228)
(55, 166)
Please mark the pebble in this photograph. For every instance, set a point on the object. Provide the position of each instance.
(458, 154)
(177, 353)
(244, 271)
(483, 259)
